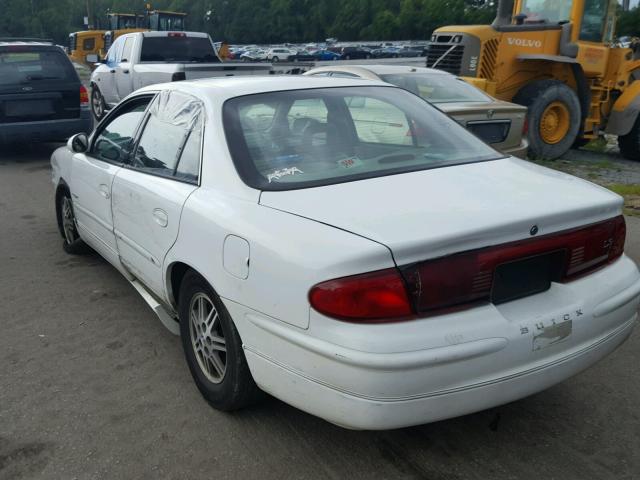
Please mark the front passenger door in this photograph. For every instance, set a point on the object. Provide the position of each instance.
(92, 174)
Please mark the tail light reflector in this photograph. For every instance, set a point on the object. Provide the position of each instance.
(468, 277)
(461, 280)
(84, 96)
(369, 297)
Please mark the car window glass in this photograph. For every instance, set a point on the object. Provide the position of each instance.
(113, 56)
(344, 75)
(126, 50)
(29, 67)
(437, 88)
(329, 135)
(189, 164)
(377, 121)
(114, 142)
(172, 118)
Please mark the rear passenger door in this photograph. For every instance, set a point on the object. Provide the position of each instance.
(150, 191)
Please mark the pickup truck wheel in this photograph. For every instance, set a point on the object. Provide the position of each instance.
(213, 348)
(630, 143)
(72, 243)
(554, 117)
(97, 103)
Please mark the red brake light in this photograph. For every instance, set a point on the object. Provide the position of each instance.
(525, 126)
(177, 34)
(84, 96)
(462, 279)
(370, 297)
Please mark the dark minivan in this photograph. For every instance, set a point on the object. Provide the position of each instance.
(41, 97)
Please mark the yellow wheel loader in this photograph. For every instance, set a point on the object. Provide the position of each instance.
(558, 58)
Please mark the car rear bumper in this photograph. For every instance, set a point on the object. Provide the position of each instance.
(45, 131)
(411, 373)
(520, 151)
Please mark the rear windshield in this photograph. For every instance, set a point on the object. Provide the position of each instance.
(178, 49)
(305, 138)
(23, 66)
(437, 88)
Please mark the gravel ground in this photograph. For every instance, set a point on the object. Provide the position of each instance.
(93, 387)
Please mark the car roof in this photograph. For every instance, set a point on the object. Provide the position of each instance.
(229, 87)
(366, 70)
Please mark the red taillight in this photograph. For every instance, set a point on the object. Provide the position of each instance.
(465, 278)
(370, 297)
(84, 96)
(525, 126)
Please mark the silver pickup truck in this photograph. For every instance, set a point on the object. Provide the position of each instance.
(136, 60)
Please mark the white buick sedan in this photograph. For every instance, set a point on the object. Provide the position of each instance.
(347, 248)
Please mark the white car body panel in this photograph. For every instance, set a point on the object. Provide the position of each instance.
(449, 210)
(370, 376)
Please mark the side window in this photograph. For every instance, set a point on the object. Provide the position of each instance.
(302, 112)
(593, 20)
(159, 147)
(115, 140)
(377, 121)
(344, 75)
(170, 142)
(88, 43)
(189, 164)
(126, 51)
(114, 54)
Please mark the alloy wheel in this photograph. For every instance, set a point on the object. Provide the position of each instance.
(207, 337)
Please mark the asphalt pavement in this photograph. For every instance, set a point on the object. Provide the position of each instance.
(92, 386)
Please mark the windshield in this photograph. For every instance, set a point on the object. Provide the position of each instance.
(546, 11)
(437, 88)
(306, 138)
(178, 48)
(21, 66)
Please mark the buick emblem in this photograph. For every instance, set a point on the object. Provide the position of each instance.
(27, 89)
(534, 230)
(490, 113)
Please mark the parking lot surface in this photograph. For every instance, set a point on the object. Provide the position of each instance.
(93, 386)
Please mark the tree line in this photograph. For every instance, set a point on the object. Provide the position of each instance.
(268, 21)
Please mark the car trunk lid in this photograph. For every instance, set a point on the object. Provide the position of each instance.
(433, 213)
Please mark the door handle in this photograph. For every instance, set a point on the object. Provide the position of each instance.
(161, 217)
(104, 191)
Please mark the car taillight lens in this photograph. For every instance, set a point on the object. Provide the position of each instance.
(525, 126)
(459, 281)
(462, 279)
(84, 96)
(370, 297)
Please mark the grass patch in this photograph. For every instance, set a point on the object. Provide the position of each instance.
(622, 189)
(599, 145)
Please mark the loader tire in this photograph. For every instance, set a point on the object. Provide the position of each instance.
(554, 117)
(630, 143)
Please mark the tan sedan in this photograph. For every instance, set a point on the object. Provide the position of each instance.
(500, 124)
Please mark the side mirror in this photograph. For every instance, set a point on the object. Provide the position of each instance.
(79, 143)
(92, 58)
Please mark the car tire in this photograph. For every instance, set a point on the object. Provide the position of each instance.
(98, 106)
(368, 56)
(72, 243)
(206, 329)
(275, 59)
(554, 116)
(630, 143)
(347, 57)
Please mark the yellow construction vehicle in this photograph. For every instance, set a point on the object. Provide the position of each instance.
(558, 58)
(85, 46)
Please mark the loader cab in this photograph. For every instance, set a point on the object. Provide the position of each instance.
(85, 46)
(163, 21)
